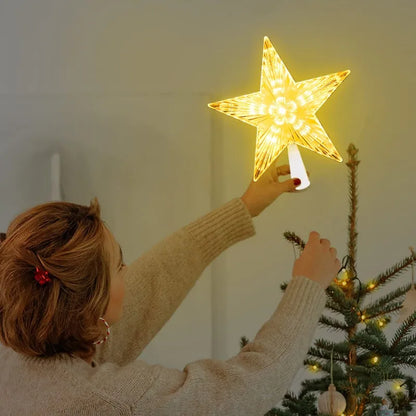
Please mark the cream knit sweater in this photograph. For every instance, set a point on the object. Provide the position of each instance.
(117, 383)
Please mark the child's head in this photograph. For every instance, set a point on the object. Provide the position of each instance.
(81, 256)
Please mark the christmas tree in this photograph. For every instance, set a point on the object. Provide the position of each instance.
(365, 359)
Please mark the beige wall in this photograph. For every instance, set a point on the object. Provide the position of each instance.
(116, 85)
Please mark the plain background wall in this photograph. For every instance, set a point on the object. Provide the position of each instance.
(120, 89)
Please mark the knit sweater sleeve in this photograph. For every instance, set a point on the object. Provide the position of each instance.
(158, 281)
(250, 383)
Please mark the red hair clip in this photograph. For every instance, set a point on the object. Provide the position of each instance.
(42, 276)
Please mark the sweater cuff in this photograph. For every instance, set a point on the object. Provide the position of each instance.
(305, 292)
(303, 301)
(298, 312)
(221, 228)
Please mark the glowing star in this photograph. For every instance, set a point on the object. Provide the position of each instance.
(284, 113)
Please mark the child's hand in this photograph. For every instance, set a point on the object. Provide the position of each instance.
(262, 193)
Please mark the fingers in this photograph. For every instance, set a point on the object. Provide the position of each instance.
(314, 236)
(288, 185)
(279, 171)
(337, 265)
(325, 243)
(275, 175)
(283, 170)
(285, 186)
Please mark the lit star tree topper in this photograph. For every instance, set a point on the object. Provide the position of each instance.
(284, 113)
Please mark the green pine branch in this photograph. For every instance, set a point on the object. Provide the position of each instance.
(361, 371)
(296, 405)
(338, 368)
(317, 384)
(332, 323)
(403, 345)
(378, 307)
(393, 307)
(325, 354)
(372, 328)
(403, 331)
(294, 239)
(395, 374)
(394, 271)
(340, 302)
(338, 347)
(279, 412)
(410, 384)
(243, 341)
(334, 307)
(370, 341)
(400, 401)
(406, 362)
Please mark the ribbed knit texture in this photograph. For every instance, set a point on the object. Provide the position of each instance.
(248, 384)
(221, 228)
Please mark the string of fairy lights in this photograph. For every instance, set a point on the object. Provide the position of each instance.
(346, 277)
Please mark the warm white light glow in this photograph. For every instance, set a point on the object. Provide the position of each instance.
(314, 368)
(297, 168)
(284, 111)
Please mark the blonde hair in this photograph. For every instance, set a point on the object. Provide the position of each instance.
(61, 316)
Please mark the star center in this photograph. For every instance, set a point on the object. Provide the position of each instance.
(283, 111)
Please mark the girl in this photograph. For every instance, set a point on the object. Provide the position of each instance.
(63, 284)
